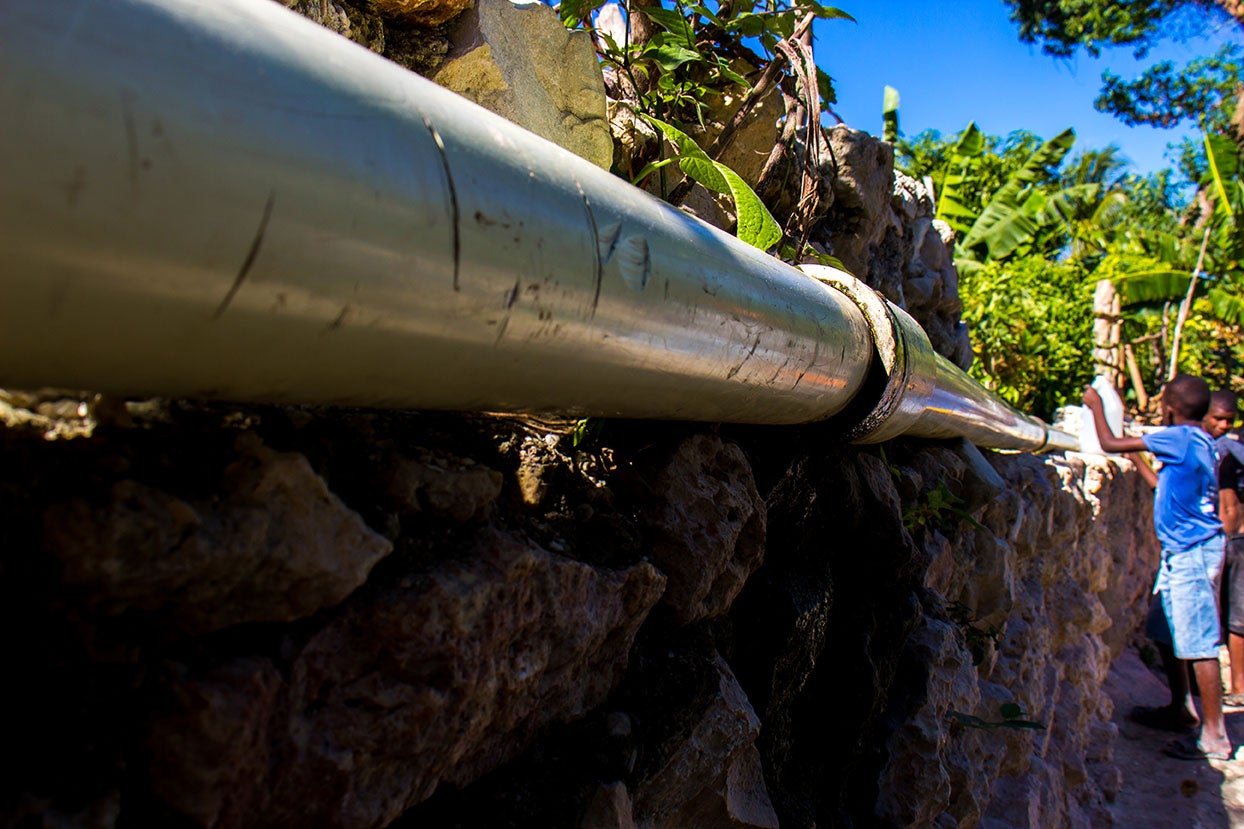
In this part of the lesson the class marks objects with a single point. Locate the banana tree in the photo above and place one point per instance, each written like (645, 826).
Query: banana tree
(1166, 277)
(1018, 211)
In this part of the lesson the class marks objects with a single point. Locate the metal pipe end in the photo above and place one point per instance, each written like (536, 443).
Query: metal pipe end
(1057, 440)
(900, 343)
(913, 390)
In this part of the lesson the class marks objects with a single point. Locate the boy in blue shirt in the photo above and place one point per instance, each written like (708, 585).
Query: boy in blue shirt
(1192, 545)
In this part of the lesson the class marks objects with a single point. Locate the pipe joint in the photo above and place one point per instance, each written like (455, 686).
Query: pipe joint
(921, 393)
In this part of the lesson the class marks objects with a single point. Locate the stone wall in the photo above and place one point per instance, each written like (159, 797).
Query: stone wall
(269, 617)
(224, 616)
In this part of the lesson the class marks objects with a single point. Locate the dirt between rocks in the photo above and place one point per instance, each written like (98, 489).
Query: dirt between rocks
(1160, 791)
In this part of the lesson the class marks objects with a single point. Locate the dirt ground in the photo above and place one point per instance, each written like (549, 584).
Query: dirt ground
(1159, 791)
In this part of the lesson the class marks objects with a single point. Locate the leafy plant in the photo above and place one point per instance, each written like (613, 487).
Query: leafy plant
(889, 115)
(1195, 269)
(1032, 330)
(1015, 212)
(691, 55)
(939, 505)
(671, 65)
(756, 224)
(952, 206)
(978, 638)
(586, 431)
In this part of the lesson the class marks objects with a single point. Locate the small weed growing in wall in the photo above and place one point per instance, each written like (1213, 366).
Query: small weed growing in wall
(938, 506)
(978, 637)
(586, 432)
(1012, 716)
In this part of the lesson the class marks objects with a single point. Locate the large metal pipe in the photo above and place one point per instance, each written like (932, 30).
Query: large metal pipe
(221, 199)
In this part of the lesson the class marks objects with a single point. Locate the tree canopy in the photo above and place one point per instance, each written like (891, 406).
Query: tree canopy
(1062, 26)
(1207, 91)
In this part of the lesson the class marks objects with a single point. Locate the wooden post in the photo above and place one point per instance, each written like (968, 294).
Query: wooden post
(1138, 384)
(1106, 325)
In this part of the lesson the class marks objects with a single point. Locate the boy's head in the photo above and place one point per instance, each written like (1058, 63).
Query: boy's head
(1224, 409)
(1186, 398)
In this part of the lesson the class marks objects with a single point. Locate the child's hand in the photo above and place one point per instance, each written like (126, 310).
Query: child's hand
(1091, 398)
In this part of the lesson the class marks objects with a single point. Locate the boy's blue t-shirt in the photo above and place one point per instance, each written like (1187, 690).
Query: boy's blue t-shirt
(1183, 508)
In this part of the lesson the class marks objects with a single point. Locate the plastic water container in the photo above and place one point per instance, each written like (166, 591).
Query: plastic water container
(1112, 407)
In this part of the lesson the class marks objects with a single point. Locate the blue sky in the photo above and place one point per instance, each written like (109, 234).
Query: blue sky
(957, 62)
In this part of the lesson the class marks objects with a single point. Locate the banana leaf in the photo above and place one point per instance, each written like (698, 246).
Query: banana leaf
(889, 115)
(1223, 162)
(1007, 220)
(950, 205)
(1152, 286)
(1227, 304)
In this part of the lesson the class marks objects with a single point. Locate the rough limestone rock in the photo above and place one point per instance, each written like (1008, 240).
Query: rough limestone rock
(439, 679)
(837, 654)
(518, 60)
(1126, 550)
(839, 578)
(754, 140)
(274, 545)
(421, 12)
(881, 227)
(930, 282)
(211, 745)
(609, 808)
(460, 490)
(928, 756)
(328, 13)
(707, 526)
(408, 32)
(714, 777)
(1052, 583)
(860, 214)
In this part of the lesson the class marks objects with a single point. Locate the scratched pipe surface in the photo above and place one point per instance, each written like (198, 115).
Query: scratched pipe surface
(223, 200)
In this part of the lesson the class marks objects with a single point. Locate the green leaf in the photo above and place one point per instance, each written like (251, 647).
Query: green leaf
(783, 23)
(1227, 305)
(651, 168)
(1220, 154)
(748, 25)
(612, 50)
(950, 198)
(1035, 726)
(670, 20)
(968, 720)
(971, 143)
(670, 56)
(889, 115)
(1150, 286)
(756, 225)
(729, 74)
(574, 12)
(570, 11)
(825, 87)
(825, 12)
(703, 11)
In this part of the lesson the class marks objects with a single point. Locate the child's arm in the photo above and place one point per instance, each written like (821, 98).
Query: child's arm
(1106, 438)
(1229, 511)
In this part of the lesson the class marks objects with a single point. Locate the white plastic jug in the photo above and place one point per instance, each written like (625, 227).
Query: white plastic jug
(1111, 406)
